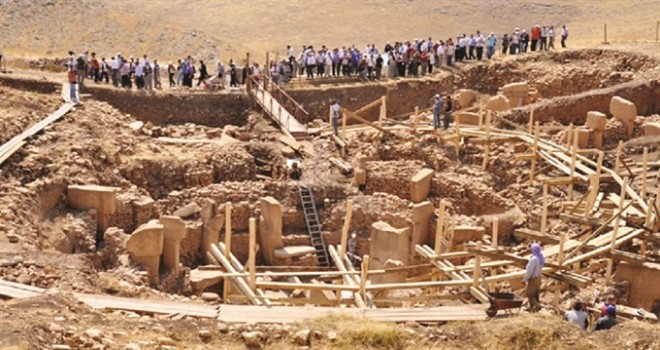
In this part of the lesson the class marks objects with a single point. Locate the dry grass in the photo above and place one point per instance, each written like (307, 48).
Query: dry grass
(356, 333)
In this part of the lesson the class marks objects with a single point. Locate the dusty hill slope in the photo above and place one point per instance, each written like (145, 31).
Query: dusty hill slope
(172, 28)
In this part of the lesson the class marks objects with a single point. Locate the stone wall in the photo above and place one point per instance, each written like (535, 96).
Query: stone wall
(573, 109)
(215, 110)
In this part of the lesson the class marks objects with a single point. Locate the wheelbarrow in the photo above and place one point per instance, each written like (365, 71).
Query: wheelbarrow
(503, 301)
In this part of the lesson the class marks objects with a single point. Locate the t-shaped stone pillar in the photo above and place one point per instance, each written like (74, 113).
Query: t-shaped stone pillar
(174, 230)
(101, 198)
(388, 243)
(420, 185)
(212, 234)
(145, 247)
(596, 121)
(270, 228)
(625, 111)
(421, 213)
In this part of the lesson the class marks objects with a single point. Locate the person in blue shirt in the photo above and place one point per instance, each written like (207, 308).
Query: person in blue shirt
(490, 45)
(437, 109)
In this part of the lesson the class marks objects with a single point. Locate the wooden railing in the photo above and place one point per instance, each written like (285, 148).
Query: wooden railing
(286, 100)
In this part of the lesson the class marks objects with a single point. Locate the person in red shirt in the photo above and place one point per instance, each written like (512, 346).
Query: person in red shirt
(535, 36)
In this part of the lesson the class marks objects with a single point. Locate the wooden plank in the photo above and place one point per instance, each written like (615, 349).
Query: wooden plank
(364, 121)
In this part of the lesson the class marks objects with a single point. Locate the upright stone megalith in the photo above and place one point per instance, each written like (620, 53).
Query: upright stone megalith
(174, 230)
(420, 185)
(101, 198)
(145, 247)
(388, 243)
(270, 228)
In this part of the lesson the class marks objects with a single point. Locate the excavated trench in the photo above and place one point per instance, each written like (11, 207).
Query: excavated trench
(175, 175)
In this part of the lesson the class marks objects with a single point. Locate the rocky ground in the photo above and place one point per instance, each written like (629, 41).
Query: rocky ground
(45, 243)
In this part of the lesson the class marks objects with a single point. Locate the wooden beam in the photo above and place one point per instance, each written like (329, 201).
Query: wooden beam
(617, 164)
(364, 121)
(227, 284)
(369, 106)
(364, 274)
(617, 223)
(240, 282)
(535, 148)
(645, 160)
(252, 253)
(484, 165)
(523, 233)
(439, 227)
(476, 274)
(345, 228)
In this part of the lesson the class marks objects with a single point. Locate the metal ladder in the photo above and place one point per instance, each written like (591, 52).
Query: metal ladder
(313, 223)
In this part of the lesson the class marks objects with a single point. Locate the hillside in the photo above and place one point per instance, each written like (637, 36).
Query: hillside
(174, 28)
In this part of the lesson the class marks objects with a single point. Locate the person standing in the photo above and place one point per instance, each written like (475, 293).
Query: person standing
(524, 41)
(233, 81)
(440, 51)
(379, 66)
(203, 73)
(535, 36)
(491, 41)
(578, 316)
(505, 43)
(437, 109)
(448, 110)
(157, 81)
(564, 36)
(148, 75)
(125, 73)
(72, 76)
(139, 74)
(450, 52)
(533, 277)
(95, 68)
(171, 70)
(104, 70)
(114, 66)
(551, 38)
(544, 39)
(336, 110)
(81, 68)
(480, 42)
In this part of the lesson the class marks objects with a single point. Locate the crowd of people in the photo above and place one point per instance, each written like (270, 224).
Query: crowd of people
(400, 59)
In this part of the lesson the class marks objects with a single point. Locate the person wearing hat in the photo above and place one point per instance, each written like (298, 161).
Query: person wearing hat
(437, 108)
(491, 41)
(608, 321)
(533, 277)
(577, 315)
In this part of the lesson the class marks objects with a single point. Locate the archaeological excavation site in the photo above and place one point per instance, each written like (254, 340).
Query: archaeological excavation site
(173, 220)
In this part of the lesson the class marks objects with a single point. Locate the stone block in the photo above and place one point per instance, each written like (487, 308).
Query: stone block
(464, 233)
(144, 208)
(466, 97)
(623, 109)
(598, 139)
(498, 103)
(388, 243)
(293, 251)
(644, 281)
(420, 185)
(519, 87)
(189, 209)
(421, 214)
(651, 129)
(596, 120)
(360, 176)
(145, 246)
(467, 118)
(583, 138)
(211, 233)
(270, 228)
(174, 231)
(101, 198)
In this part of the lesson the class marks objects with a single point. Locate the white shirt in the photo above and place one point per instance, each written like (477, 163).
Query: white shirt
(139, 70)
(564, 32)
(115, 63)
(310, 60)
(441, 50)
(533, 269)
(577, 317)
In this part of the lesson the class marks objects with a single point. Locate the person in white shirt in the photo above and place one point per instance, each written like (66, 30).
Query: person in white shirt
(533, 277)
(441, 53)
(480, 43)
(577, 316)
(114, 66)
(551, 38)
(310, 63)
(139, 74)
(564, 36)
(336, 110)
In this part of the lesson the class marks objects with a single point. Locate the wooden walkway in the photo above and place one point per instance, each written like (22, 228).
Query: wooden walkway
(257, 314)
(287, 122)
(18, 141)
